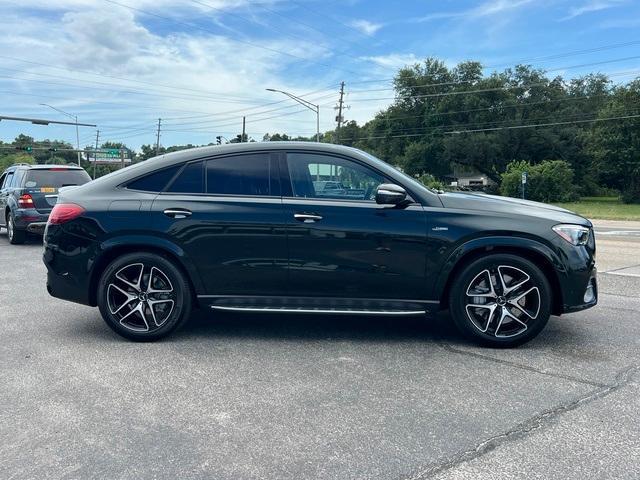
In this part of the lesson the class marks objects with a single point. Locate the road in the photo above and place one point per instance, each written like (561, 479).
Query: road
(245, 397)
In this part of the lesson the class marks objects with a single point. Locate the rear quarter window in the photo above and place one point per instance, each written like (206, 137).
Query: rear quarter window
(56, 178)
(155, 181)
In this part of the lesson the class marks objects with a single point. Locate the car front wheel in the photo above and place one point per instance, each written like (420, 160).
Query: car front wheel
(501, 300)
(144, 296)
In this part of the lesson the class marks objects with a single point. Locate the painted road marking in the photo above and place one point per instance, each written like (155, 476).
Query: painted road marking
(627, 233)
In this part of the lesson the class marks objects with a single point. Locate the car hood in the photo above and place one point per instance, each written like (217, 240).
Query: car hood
(515, 206)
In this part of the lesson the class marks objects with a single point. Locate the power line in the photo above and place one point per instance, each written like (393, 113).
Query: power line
(550, 124)
(128, 91)
(461, 82)
(522, 61)
(255, 45)
(292, 35)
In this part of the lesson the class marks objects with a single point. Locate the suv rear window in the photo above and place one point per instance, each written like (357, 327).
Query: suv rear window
(56, 178)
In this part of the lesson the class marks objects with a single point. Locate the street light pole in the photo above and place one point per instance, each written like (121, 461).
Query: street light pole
(75, 117)
(311, 106)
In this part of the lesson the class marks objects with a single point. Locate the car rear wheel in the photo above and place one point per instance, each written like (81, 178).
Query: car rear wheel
(16, 236)
(144, 296)
(501, 300)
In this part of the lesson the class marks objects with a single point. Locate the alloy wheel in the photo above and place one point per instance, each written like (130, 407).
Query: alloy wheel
(502, 301)
(10, 228)
(141, 297)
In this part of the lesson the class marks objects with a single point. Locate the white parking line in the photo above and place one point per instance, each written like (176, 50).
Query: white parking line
(631, 233)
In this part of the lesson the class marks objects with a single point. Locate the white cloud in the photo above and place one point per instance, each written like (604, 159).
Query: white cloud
(366, 27)
(593, 6)
(209, 73)
(393, 60)
(488, 8)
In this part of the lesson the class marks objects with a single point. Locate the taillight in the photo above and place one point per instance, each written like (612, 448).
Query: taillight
(63, 212)
(25, 201)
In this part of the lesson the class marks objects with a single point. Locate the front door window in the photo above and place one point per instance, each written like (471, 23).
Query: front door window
(327, 177)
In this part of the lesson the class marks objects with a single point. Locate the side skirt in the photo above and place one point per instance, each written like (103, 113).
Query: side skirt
(324, 305)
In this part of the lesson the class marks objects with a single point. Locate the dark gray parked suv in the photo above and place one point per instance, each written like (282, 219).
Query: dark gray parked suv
(29, 192)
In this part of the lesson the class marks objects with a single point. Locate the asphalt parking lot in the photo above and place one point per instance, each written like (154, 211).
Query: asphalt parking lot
(249, 397)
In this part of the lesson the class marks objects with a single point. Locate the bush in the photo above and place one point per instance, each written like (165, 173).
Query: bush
(547, 181)
(430, 181)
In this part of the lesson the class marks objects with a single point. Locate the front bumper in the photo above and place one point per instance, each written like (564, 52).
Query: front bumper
(589, 294)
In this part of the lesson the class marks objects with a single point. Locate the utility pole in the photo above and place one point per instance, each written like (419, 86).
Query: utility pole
(244, 121)
(122, 158)
(339, 108)
(95, 154)
(158, 137)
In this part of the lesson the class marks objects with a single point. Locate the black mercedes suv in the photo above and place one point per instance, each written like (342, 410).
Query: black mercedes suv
(250, 227)
(28, 192)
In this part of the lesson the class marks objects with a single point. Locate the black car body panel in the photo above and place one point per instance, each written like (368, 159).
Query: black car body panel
(253, 249)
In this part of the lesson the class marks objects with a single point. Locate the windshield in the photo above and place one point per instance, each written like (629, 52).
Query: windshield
(56, 178)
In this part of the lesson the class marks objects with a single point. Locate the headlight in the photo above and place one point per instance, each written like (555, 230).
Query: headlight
(574, 234)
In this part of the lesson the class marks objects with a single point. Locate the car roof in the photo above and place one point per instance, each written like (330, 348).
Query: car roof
(29, 166)
(50, 167)
(198, 152)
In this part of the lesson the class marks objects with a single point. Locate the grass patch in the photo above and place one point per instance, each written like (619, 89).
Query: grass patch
(606, 208)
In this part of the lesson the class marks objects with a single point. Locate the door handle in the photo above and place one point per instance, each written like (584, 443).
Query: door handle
(177, 212)
(307, 217)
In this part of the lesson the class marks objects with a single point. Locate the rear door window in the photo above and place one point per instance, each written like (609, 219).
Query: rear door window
(190, 179)
(56, 178)
(17, 178)
(248, 174)
(8, 183)
(155, 181)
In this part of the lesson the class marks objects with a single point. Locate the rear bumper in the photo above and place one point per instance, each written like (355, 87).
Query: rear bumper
(30, 220)
(37, 227)
(68, 265)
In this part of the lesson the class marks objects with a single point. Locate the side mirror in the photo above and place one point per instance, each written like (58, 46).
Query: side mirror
(390, 194)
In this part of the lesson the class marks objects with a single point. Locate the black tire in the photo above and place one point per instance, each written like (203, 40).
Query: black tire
(472, 300)
(15, 235)
(162, 302)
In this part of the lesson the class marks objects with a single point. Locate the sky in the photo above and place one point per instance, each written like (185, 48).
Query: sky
(201, 65)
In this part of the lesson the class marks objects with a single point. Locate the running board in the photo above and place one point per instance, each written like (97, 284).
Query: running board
(318, 310)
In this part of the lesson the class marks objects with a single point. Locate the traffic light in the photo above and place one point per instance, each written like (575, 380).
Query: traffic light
(28, 148)
(53, 149)
(219, 140)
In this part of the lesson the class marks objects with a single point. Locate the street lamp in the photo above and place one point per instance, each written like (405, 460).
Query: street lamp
(75, 117)
(309, 105)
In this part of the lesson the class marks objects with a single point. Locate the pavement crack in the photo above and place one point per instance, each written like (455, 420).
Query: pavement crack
(525, 428)
(521, 366)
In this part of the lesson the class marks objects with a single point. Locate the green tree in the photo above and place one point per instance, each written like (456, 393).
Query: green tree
(547, 181)
(615, 144)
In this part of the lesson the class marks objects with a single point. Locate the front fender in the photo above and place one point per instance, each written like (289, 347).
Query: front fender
(488, 244)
